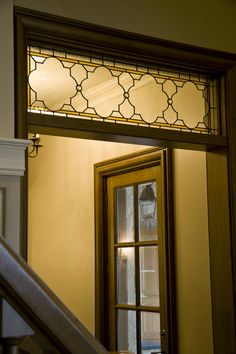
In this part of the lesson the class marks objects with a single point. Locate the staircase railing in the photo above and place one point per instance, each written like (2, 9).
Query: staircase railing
(49, 324)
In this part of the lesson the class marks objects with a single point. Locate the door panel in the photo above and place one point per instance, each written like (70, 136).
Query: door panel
(136, 284)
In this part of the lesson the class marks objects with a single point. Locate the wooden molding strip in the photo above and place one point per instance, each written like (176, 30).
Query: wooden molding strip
(12, 156)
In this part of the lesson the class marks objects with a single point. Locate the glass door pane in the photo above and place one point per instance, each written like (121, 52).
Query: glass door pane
(126, 331)
(149, 276)
(150, 332)
(125, 265)
(125, 214)
(147, 211)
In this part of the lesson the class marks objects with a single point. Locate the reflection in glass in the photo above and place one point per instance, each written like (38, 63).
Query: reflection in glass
(125, 264)
(149, 91)
(150, 332)
(53, 84)
(102, 91)
(126, 331)
(147, 211)
(125, 214)
(149, 276)
(194, 107)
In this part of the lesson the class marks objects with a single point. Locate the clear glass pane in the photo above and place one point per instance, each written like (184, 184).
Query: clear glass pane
(52, 82)
(126, 331)
(147, 211)
(125, 263)
(149, 276)
(150, 332)
(125, 214)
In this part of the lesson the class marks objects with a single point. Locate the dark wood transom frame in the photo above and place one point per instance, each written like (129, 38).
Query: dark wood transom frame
(34, 27)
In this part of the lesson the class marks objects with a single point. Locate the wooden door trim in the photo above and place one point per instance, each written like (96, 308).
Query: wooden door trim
(103, 170)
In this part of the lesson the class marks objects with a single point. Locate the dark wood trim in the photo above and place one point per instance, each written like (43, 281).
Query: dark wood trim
(21, 129)
(100, 260)
(223, 314)
(59, 31)
(20, 63)
(82, 128)
(231, 127)
(170, 249)
(24, 212)
(131, 162)
(41, 309)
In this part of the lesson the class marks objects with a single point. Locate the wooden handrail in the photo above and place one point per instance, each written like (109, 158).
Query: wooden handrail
(40, 307)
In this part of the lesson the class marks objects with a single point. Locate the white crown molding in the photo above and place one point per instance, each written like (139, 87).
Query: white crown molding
(12, 156)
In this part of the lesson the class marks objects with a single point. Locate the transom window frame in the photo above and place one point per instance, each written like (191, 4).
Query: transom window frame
(33, 27)
(126, 47)
(102, 88)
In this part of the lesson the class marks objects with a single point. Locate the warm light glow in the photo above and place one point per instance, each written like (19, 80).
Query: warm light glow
(125, 252)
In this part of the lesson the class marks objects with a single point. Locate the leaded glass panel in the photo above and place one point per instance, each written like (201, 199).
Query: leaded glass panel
(104, 89)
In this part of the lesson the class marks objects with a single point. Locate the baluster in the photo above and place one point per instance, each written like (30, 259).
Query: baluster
(11, 346)
(13, 328)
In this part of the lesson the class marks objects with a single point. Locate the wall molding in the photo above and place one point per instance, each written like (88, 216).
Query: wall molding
(12, 156)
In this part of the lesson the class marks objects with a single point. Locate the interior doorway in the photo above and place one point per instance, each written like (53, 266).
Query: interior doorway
(138, 269)
(66, 260)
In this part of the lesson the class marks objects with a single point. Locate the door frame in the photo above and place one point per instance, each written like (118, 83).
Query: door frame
(49, 30)
(103, 170)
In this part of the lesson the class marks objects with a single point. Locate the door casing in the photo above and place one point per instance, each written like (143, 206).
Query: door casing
(102, 171)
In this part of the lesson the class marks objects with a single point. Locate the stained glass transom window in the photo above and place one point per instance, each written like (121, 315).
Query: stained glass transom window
(105, 89)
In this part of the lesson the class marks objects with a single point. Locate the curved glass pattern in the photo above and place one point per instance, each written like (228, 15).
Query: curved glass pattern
(104, 89)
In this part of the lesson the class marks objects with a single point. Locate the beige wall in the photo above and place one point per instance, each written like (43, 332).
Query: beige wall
(6, 69)
(192, 253)
(61, 231)
(208, 23)
(61, 218)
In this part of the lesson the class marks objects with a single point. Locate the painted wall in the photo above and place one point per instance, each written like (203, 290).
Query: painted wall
(61, 231)
(6, 70)
(208, 23)
(61, 214)
(192, 253)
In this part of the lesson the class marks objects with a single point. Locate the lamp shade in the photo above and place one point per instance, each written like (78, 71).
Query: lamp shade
(147, 202)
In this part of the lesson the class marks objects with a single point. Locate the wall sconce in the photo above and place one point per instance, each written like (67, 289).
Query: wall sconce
(147, 202)
(34, 146)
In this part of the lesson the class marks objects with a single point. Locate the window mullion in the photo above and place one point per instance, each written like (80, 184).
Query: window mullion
(137, 269)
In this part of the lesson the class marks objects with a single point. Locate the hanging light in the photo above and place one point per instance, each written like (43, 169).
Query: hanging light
(147, 202)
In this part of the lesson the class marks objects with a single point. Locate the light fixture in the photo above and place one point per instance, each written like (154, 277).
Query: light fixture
(147, 202)
(34, 146)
